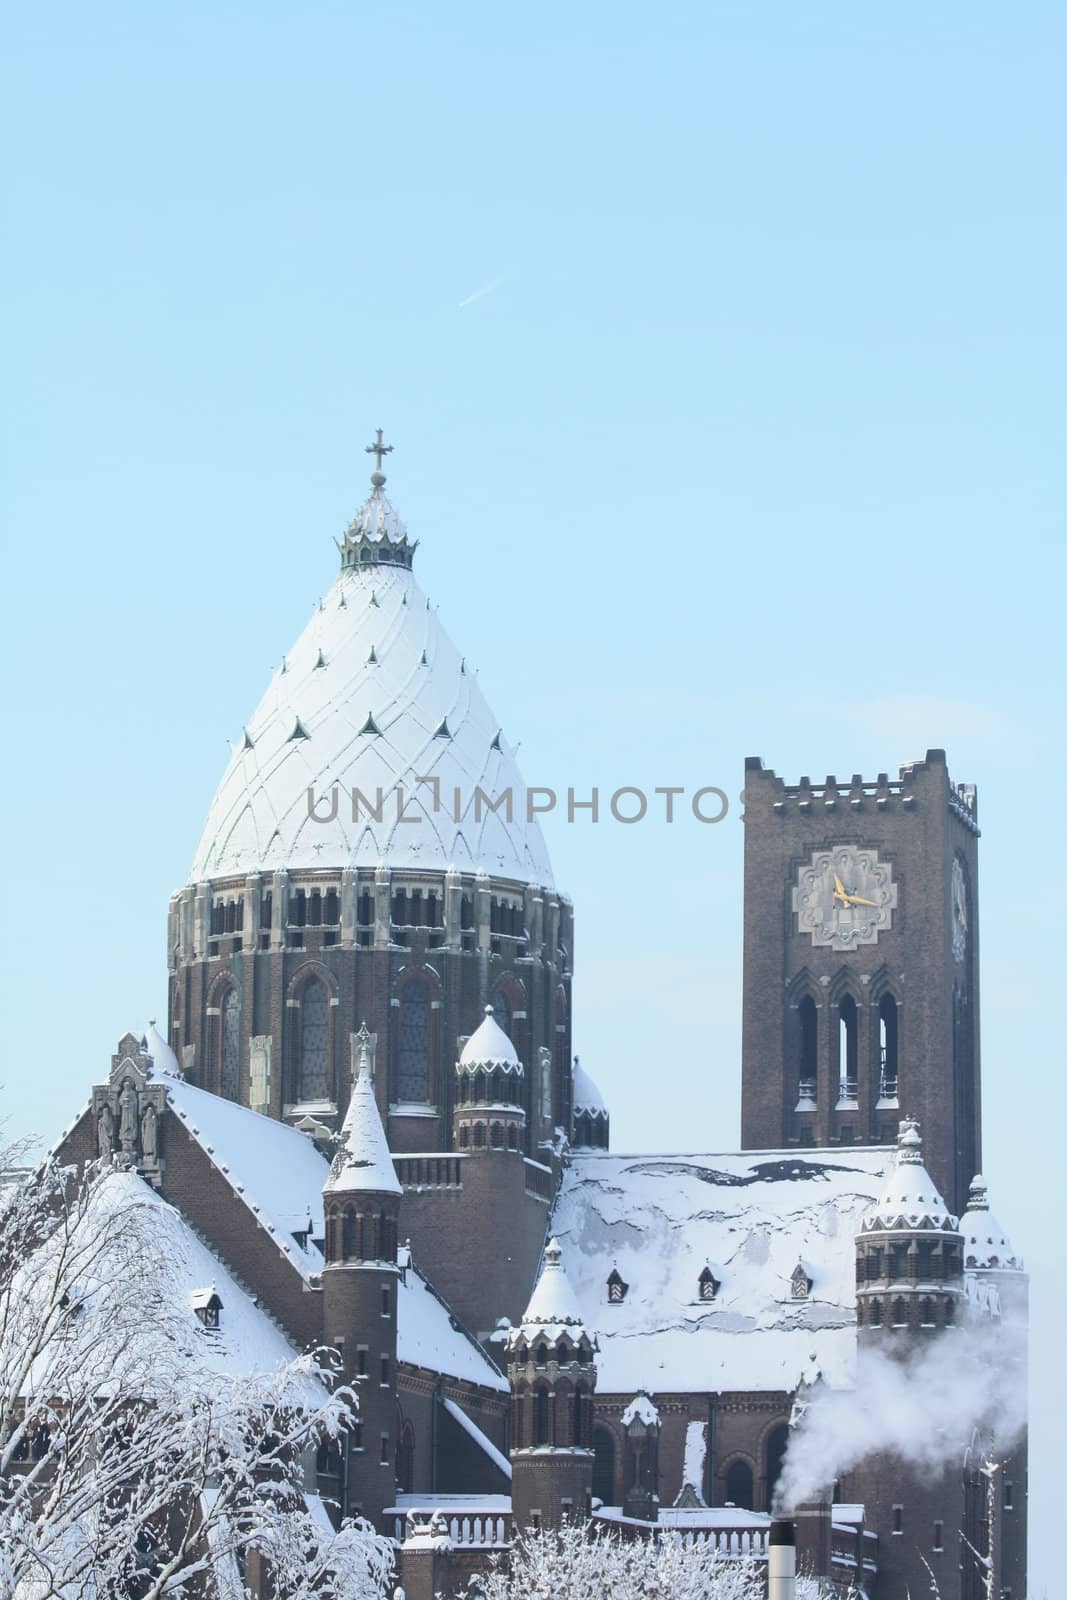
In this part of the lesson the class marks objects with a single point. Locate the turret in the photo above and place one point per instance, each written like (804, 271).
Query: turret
(490, 1080)
(591, 1124)
(989, 1258)
(909, 1255)
(361, 1200)
(552, 1372)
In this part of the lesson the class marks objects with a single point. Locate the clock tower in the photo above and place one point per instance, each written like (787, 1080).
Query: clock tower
(861, 964)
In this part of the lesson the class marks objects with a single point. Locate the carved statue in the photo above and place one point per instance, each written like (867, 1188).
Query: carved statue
(105, 1132)
(128, 1117)
(149, 1133)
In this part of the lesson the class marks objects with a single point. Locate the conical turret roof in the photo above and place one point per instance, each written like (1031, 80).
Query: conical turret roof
(985, 1243)
(362, 1163)
(587, 1097)
(553, 1309)
(909, 1199)
(372, 696)
(489, 1046)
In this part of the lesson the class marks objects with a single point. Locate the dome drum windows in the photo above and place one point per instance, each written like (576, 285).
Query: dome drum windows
(227, 919)
(316, 907)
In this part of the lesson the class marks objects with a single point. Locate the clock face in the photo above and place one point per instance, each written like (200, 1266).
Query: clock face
(844, 897)
(959, 910)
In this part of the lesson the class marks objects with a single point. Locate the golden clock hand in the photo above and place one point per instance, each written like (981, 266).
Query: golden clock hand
(858, 900)
(839, 891)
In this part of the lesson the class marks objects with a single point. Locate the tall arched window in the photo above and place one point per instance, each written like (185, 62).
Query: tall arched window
(807, 1031)
(413, 1051)
(604, 1465)
(887, 1047)
(405, 1459)
(230, 1063)
(740, 1490)
(540, 1417)
(777, 1441)
(312, 1075)
(847, 1049)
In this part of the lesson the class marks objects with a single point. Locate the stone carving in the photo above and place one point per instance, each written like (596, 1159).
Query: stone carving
(128, 1111)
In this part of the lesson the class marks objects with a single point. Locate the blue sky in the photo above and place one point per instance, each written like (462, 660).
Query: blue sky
(722, 348)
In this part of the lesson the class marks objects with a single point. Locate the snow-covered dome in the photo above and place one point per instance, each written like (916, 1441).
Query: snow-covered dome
(587, 1097)
(909, 1197)
(553, 1306)
(489, 1047)
(985, 1244)
(372, 696)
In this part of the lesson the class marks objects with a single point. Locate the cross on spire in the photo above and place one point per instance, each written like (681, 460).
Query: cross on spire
(378, 450)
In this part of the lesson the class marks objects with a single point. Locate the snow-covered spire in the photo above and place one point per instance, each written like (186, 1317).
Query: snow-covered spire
(489, 1047)
(163, 1058)
(376, 534)
(909, 1197)
(591, 1123)
(553, 1307)
(985, 1243)
(362, 1162)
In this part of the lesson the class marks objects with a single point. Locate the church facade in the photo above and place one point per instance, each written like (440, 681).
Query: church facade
(366, 1103)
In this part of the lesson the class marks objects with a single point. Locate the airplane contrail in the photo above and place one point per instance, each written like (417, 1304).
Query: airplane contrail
(480, 294)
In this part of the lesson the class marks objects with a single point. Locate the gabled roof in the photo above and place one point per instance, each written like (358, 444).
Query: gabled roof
(754, 1214)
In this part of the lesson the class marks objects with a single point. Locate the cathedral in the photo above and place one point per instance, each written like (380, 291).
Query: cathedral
(366, 1107)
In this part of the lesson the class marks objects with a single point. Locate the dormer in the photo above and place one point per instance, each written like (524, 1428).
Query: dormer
(207, 1306)
(708, 1284)
(617, 1287)
(801, 1282)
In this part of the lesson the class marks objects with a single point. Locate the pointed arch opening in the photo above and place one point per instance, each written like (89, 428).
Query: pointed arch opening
(413, 1046)
(887, 1047)
(312, 1042)
(848, 1048)
(230, 1052)
(807, 1050)
(604, 1465)
(739, 1486)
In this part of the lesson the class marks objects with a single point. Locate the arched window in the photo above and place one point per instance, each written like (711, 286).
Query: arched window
(312, 1073)
(464, 1136)
(926, 1311)
(740, 1490)
(405, 1459)
(502, 1011)
(887, 1047)
(540, 1417)
(847, 1049)
(604, 1465)
(348, 1235)
(875, 1315)
(413, 1053)
(808, 1036)
(900, 1312)
(230, 1065)
(583, 1417)
(774, 1455)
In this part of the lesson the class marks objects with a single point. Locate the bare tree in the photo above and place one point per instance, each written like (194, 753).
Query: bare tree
(133, 1458)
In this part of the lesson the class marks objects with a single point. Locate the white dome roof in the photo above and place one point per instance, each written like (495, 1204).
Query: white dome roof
(372, 695)
(587, 1097)
(985, 1244)
(553, 1306)
(489, 1046)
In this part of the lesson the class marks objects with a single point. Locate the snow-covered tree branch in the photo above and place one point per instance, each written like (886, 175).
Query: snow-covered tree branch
(132, 1457)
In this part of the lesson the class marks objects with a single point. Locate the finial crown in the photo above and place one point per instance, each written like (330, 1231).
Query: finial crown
(376, 536)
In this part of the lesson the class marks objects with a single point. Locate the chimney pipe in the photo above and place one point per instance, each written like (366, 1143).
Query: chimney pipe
(782, 1560)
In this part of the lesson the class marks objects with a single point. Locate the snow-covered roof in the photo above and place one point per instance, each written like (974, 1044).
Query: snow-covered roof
(428, 1335)
(372, 695)
(553, 1309)
(280, 1175)
(985, 1243)
(641, 1410)
(163, 1058)
(247, 1340)
(909, 1197)
(362, 1162)
(587, 1096)
(274, 1169)
(489, 1046)
(755, 1213)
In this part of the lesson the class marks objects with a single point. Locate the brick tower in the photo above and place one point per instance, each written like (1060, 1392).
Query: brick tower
(861, 964)
(552, 1372)
(361, 1201)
